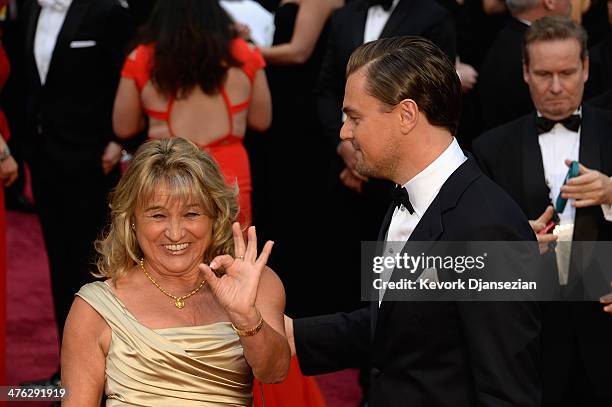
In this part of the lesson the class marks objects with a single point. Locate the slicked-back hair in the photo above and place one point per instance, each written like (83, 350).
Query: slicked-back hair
(520, 6)
(192, 46)
(555, 28)
(414, 68)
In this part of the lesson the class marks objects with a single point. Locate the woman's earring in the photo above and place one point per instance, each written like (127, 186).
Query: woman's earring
(133, 226)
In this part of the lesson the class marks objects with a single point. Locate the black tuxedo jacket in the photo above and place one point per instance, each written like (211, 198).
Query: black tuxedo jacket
(511, 156)
(438, 354)
(410, 17)
(600, 68)
(504, 95)
(70, 116)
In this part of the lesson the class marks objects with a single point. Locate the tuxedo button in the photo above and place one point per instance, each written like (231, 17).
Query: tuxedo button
(375, 372)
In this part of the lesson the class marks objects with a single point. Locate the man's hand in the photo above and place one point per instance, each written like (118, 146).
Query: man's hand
(606, 299)
(111, 156)
(467, 75)
(243, 31)
(349, 175)
(289, 334)
(539, 224)
(8, 170)
(346, 151)
(352, 180)
(589, 188)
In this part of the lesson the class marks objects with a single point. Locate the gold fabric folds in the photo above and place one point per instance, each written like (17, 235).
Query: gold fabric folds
(183, 366)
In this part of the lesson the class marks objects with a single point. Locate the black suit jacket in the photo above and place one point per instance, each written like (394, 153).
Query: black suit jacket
(411, 17)
(600, 68)
(504, 96)
(511, 156)
(70, 116)
(439, 353)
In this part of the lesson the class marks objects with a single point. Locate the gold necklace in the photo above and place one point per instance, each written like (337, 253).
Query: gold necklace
(179, 302)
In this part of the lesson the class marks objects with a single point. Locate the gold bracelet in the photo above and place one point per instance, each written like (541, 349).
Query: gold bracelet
(249, 332)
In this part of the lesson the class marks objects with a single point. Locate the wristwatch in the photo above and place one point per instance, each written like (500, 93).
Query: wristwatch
(5, 153)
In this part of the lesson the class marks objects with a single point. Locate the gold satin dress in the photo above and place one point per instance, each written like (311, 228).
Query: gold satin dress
(170, 367)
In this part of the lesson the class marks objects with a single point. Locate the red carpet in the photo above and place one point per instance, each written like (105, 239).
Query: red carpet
(31, 338)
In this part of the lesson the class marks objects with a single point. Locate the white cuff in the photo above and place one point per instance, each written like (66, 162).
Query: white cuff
(607, 211)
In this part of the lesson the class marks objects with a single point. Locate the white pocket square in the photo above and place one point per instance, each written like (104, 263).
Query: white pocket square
(82, 44)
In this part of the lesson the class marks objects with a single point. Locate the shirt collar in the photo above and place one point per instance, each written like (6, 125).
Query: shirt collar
(57, 5)
(526, 22)
(424, 187)
(380, 8)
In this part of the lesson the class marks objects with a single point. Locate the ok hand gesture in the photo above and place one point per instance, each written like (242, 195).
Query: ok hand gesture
(236, 289)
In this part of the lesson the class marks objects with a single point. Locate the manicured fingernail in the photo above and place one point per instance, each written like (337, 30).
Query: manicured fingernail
(213, 265)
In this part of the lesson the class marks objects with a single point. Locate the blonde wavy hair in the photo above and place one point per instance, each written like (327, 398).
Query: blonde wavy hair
(187, 172)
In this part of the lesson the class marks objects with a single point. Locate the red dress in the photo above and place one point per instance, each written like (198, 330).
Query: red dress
(228, 150)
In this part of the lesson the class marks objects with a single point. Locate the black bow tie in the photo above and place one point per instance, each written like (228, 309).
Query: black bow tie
(400, 197)
(386, 4)
(544, 125)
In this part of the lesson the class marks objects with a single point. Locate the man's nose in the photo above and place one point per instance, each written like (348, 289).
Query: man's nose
(345, 133)
(555, 86)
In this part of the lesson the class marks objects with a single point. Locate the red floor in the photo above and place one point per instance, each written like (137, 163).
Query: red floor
(31, 338)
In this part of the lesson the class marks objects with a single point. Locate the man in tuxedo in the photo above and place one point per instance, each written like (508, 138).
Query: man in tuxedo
(402, 103)
(529, 158)
(74, 50)
(503, 94)
(351, 195)
(359, 22)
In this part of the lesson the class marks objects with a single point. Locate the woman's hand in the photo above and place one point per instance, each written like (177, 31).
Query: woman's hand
(236, 290)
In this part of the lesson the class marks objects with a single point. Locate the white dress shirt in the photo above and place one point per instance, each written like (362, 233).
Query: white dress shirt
(375, 21)
(422, 189)
(556, 146)
(50, 21)
(250, 13)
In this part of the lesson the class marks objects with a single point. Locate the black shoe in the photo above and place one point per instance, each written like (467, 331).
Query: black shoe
(19, 203)
(54, 380)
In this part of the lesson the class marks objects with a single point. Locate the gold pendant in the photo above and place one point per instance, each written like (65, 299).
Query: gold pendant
(179, 303)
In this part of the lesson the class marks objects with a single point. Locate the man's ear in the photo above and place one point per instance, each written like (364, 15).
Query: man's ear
(585, 68)
(549, 4)
(409, 115)
(525, 73)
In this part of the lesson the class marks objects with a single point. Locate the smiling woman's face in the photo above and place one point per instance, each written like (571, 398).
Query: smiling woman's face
(173, 233)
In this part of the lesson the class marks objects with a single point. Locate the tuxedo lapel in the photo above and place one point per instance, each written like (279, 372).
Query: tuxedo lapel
(396, 19)
(430, 227)
(30, 34)
(357, 24)
(73, 20)
(428, 230)
(586, 224)
(535, 190)
(382, 236)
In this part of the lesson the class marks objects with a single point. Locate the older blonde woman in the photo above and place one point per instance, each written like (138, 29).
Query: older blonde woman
(188, 313)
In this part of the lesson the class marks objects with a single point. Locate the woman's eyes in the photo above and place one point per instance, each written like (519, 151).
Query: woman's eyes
(188, 215)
